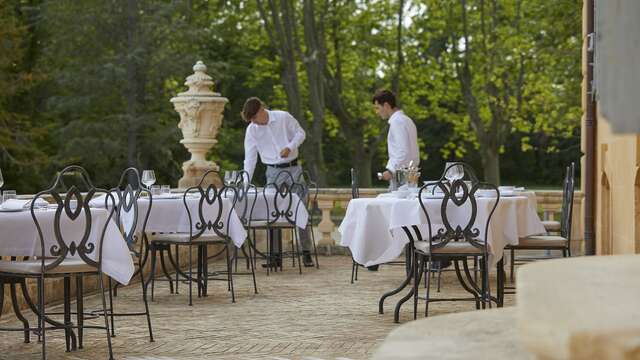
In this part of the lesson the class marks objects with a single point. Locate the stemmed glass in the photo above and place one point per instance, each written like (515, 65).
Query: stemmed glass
(228, 178)
(148, 178)
(453, 172)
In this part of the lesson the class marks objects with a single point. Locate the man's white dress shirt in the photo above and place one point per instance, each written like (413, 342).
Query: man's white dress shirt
(402, 142)
(281, 131)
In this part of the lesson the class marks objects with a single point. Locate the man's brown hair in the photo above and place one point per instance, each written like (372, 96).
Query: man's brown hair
(250, 108)
(384, 96)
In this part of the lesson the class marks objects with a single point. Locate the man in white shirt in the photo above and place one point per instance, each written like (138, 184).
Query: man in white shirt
(402, 140)
(275, 136)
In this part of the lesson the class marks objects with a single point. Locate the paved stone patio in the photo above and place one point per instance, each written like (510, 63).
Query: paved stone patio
(317, 315)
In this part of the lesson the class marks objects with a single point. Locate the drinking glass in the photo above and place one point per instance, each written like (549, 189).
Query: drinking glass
(148, 177)
(155, 190)
(227, 177)
(453, 172)
(8, 195)
(234, 177)
(165, 189)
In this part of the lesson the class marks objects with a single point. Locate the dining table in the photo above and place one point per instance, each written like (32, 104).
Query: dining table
(372, 227)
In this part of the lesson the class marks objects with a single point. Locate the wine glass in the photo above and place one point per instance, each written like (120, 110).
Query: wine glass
(234, 177)
(227, 177)
(454, 171)
(148, 177)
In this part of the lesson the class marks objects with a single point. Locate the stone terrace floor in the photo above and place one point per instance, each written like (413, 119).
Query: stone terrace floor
(318, 315)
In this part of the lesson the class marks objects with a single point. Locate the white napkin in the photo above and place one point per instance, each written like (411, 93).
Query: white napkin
(15, 204)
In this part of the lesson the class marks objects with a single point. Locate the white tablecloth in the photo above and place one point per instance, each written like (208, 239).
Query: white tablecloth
(19, 237)
(301, 216)
(170, 215)
(370, 226)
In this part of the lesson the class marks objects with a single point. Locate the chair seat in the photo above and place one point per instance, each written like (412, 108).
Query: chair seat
(551, 225)
(35, 267)
(453, 247)
(277, 224)
(184, 238)
(542, 241)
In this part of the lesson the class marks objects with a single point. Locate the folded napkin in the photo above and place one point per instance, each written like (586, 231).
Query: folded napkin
(15, 204)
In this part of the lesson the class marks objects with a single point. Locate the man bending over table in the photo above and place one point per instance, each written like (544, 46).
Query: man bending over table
(276, 136)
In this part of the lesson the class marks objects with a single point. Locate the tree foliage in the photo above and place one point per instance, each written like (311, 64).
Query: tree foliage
(494, 83)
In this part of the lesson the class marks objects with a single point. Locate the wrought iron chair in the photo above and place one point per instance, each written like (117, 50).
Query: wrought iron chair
(67, 256)
(552, 242)
(311, 203)
(355, 194)
(282, 210)
(204, 230)
(126, 194)
(456, 242)
(246, 196)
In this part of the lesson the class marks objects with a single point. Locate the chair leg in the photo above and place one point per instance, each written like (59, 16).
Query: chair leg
(428, 286)
(353, 269)
(512, 264)
(146, 304)
(230, 272)
(297, 246)
(439, 274)
(104, 313)
(416, 282)
(80, 309)
(251, 263)
(177, 266)
(113, 331)
(164, 268)
(41, 309)
(152, 275)
(313, 241)
(66, 301)
(293, 248)
(190, 276)
(16, 310)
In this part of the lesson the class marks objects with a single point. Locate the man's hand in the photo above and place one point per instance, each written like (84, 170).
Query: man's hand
(387, 175)
(285, 152)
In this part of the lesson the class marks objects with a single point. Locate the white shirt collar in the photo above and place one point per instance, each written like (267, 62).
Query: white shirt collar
(397, 112)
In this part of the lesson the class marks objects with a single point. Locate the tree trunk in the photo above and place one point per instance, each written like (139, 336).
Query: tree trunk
(280, 24)
(313, 61)
(491, 164)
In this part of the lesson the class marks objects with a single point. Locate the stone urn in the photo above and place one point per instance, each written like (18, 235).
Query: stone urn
(200, 112)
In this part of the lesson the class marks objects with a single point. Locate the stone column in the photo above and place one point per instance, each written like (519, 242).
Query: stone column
(200, 112)
(326, 226)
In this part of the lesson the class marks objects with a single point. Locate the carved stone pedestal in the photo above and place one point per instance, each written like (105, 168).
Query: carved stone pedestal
(200, 112)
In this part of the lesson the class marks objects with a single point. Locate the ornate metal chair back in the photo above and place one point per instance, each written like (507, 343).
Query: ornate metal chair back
(458, 193)
(247, 195)
(278, 196)
(72, 207)
(210, 198)
(126, 195)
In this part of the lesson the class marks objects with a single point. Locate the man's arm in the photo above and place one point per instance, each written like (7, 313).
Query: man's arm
(250, 154)
(293, 127)
(397, 146)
